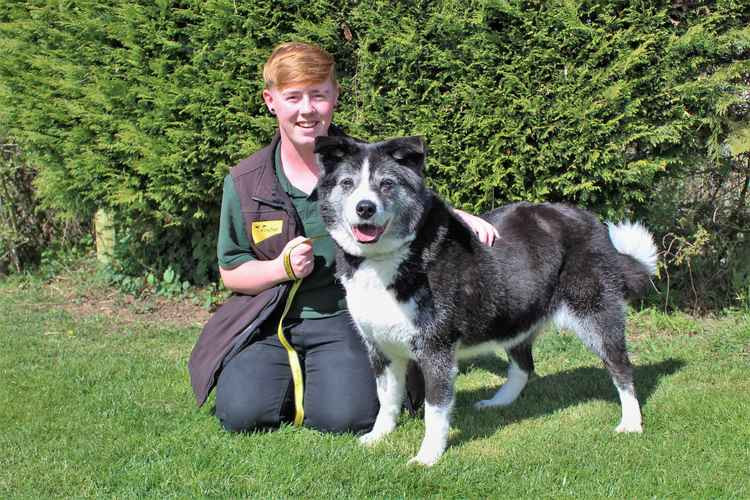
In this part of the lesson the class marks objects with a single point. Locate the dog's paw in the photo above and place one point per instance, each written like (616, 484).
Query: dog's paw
(371, 438)
(483, 404)
(489, 403)
(505, 396)
(423, 461)
(629, 427)
(429, 453)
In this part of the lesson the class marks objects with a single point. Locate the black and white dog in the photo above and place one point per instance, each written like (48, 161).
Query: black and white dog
(421, 286)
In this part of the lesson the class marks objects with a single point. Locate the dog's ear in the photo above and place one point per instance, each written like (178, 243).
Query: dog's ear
(407, 151)
(331, 150)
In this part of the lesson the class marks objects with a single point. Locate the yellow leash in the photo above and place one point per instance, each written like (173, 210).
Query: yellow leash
(294, 364)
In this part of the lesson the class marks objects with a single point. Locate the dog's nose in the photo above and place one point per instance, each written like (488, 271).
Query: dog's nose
(366, 209)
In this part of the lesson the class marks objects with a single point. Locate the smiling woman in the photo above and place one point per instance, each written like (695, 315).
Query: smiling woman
(284, 348)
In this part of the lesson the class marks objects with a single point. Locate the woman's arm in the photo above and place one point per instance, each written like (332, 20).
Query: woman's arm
(254, 276)
(485, 231)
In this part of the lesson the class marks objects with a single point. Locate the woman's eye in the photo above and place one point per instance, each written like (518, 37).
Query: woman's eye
(346, 182)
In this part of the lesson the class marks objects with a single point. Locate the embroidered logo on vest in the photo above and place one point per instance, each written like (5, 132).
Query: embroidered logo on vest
(262, 230)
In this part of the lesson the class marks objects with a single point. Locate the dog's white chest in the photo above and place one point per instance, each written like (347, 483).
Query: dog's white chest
(381, 318)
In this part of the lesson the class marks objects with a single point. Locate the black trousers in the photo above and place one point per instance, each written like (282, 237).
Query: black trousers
(255, 389)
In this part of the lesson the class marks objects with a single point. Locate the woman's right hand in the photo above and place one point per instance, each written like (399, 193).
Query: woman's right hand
(301, 256)
(255, 276)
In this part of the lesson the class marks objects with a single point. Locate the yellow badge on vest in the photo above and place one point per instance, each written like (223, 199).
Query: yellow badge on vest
(262, 230)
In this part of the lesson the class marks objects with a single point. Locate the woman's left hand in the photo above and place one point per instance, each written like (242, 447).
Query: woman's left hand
(485, 231)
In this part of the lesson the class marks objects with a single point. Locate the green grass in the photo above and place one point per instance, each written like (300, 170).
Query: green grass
(93, 407)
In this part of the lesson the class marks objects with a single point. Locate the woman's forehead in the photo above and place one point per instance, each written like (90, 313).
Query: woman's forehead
(325, 86)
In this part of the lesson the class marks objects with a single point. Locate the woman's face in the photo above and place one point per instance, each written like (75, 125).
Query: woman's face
(304, 111)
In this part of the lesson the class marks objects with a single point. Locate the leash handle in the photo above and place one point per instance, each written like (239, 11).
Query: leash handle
(288, 256)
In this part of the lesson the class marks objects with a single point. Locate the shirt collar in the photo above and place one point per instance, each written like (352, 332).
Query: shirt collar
(287, 186)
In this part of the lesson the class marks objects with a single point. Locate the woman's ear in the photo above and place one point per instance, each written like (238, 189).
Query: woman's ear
(337, 91)
(268, 98)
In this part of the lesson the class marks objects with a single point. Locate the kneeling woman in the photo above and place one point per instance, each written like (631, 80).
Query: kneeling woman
(284, 348)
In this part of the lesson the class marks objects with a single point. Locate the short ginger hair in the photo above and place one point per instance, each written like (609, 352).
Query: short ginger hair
(297, 62)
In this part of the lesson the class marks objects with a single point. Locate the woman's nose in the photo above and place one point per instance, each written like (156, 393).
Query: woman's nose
(306, 106)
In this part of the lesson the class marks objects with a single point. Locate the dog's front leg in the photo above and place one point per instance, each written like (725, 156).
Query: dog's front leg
(439, 374)
(390, 377)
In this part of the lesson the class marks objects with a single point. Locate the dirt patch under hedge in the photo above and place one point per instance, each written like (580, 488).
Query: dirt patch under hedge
(82, 298)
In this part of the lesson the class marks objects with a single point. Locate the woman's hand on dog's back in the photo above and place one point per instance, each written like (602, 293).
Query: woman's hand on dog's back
(485, 231)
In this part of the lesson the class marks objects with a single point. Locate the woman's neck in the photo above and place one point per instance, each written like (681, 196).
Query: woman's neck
(300, 166)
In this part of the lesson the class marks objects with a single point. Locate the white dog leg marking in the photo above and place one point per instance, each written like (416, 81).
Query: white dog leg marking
(390, 386)
(437, 424)
(631, 412)
(509, 391)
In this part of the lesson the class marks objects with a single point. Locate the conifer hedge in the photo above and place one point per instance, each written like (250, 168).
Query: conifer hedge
(142, 106)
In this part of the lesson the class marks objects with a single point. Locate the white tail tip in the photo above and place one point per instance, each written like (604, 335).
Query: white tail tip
(631, 238)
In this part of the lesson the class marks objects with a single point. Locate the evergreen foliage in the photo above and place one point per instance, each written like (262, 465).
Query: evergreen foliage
(19, 224)
(141, 107)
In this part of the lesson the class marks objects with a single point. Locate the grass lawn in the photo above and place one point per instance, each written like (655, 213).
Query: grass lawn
(99, 404)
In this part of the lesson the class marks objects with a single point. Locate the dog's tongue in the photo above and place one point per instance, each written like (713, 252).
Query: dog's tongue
(367, 233)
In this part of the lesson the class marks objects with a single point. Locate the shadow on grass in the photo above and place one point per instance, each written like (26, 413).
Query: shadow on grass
(548, 394)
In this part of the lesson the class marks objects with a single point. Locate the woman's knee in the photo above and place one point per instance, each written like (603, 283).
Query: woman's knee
(239, 416)
(246, 407)
(342, 398)
(354, 416)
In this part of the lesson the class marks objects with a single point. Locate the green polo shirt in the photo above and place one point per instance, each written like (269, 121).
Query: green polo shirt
(319, 295)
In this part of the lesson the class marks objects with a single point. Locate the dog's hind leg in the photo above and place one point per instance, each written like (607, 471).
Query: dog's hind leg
(604, 334)
(521, 366)
(390, 378)
(439, 372)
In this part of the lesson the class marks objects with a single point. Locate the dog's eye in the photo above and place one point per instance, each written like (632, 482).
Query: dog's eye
(346, 182)
(386, 184)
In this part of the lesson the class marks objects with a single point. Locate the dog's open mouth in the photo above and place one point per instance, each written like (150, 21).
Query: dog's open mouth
(367, 233)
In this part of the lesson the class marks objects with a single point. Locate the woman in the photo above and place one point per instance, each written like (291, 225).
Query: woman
(313, 370)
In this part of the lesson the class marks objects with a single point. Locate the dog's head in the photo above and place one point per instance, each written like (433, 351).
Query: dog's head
(372, 196)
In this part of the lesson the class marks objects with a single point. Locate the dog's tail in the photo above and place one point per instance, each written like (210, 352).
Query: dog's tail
(638, 255)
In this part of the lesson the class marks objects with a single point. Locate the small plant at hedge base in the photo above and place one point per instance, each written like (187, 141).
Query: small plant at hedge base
(214, 295)
(171, 285)
(679, 252)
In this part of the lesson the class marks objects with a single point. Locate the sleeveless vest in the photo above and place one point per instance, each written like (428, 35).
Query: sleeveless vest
(233, 325)
(271, 222)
